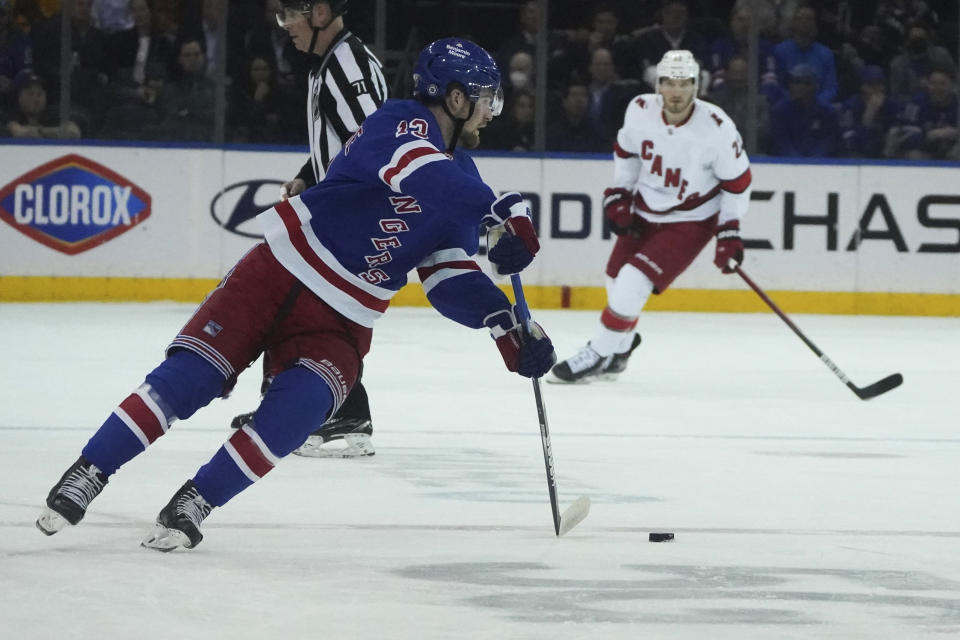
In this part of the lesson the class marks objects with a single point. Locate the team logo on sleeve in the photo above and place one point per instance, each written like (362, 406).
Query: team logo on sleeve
(73, 204)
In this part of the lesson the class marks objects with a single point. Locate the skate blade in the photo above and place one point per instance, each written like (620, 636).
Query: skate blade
(574, 514)
(552, 379)
(608, 377)
(357, 445)
(165, 539)
(50, 521)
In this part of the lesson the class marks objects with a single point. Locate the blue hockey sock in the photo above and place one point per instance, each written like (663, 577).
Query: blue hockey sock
(295, 405)
(179, 386)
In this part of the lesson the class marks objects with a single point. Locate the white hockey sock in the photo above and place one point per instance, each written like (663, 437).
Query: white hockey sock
(626, 296)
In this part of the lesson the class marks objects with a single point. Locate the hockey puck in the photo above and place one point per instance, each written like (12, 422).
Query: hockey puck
(661, 537)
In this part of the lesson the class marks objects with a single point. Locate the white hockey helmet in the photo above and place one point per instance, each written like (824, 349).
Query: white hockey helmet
(679, 64)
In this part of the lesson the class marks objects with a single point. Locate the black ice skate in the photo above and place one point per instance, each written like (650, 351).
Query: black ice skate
(68, 500)
(585, 366)
(350, 438)
(178, 524)
(242, 420)
(618, 363)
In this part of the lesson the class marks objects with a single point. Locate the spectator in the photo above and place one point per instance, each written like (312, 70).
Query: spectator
(141, 48)
(731, 96)
(514, 131)
(803, 49)
(737, 44)
(210, 25)
(673, 32)
(520, 73)
(88, 42)
(112, 16)
(919, 57)
(866, 117)
(16, 54)
(929, 129)
(841, 21)
(132, 112)
(32, 118)
(572, 131)
(802, 125)
(526, 37)
(608, 96)
(896, 17)
(259, 111)
(572, 57)
(872, 49)
(187, 105)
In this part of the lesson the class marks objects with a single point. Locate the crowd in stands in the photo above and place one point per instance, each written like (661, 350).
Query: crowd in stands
(837, 78)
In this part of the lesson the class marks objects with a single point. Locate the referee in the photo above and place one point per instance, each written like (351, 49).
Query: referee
(345, 86)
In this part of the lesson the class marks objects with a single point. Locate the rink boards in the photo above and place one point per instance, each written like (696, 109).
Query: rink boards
(94, 222)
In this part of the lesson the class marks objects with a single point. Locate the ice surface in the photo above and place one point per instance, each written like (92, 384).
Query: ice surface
(800, 511)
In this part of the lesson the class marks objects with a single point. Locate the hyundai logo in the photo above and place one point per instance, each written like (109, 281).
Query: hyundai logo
(236, 206)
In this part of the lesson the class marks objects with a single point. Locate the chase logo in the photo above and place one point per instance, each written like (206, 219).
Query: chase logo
(72, 204)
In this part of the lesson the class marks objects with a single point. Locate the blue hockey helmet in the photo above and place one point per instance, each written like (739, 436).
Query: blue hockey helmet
(457, 63)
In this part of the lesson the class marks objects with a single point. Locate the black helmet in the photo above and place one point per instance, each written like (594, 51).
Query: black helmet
(337, 7)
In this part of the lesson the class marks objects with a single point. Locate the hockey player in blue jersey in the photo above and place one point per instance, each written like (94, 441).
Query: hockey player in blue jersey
(398, 197)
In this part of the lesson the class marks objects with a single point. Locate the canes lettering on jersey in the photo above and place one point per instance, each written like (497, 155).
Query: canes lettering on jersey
(686, 172)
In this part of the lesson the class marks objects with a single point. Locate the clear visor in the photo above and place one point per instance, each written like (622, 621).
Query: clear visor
(493, 99)
(290, 15)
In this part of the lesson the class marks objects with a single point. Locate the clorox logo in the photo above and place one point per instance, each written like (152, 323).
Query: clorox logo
(72, 204)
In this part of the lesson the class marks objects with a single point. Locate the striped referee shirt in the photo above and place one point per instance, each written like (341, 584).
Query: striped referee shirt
(345, 86)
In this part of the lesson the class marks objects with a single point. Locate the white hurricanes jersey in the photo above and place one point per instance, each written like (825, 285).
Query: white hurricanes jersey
(688, 171)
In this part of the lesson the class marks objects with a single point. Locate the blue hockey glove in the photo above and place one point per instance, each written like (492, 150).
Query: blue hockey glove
(507, 252)
(527, 352)
(512, 241)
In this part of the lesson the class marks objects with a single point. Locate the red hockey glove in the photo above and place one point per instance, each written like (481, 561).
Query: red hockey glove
(729, 246)
(527, 352)
(616, 206)
(513, 251)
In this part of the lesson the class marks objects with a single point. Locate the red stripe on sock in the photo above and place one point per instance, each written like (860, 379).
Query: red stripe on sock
(250, 453)
(612, 321)
(144, 418)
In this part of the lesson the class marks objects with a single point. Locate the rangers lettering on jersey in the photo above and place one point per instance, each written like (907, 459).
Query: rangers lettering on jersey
(394, 203)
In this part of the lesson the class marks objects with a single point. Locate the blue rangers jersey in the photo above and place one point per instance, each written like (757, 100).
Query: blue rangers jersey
(392, 201)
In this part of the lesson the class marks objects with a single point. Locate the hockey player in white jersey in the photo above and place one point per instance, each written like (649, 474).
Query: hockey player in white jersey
(681, 177)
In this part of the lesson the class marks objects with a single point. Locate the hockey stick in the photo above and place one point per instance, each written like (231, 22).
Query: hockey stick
(577, 511)
(864, 393)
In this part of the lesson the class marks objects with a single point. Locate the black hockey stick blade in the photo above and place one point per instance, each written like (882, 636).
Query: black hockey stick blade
(574, 514)
(881, 386)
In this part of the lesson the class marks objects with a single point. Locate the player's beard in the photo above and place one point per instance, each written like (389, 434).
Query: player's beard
(470, 139)
(677, 108)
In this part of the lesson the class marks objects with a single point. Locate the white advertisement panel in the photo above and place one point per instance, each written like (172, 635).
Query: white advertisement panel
(100, 211)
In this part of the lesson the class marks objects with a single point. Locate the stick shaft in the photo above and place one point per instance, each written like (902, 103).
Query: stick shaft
(770, 303)
(523, 315)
